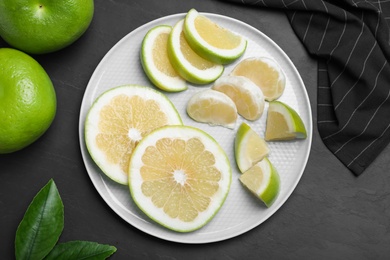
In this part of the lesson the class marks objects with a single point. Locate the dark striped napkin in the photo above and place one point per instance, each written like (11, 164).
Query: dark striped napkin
(350, 39)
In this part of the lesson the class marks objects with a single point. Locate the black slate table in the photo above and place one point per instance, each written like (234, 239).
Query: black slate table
(330, 215)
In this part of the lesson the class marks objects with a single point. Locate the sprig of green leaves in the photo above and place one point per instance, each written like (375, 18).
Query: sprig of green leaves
(38, 232)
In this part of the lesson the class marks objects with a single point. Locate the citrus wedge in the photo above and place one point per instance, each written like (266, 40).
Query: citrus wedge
(117, 121)
(212, 41)
(265, 73)
(283, 123)
(212, 107)
(179, 176)
(249, 147)
(263, 181)
(155, 61)
(187, 62)
(249, 98)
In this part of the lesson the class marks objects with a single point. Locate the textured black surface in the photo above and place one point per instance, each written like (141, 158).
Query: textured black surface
(331, 215)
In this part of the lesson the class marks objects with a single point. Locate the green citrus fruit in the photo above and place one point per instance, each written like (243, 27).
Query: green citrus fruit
(263, 181)
(27, 100)
(44, 26)
(283, 123)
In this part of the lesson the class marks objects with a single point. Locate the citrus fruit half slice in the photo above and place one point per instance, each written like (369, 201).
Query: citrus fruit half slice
(212, 107)
(249, 147)
(179, 176)
(265, 73)
(249, 98)
(187, 62)
(283, 123)
(155, 61)
(118, 120)
(212, 41)
(263, 181)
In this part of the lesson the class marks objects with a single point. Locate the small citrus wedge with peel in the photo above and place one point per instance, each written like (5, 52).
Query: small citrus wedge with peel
(187, 62)
(249, 147)
(212, 41)
(249, 98)
(263, 181)
(265, 73)
(212, 107)
(179, 176)
(155, 61)
(283, 123)
(118, 120)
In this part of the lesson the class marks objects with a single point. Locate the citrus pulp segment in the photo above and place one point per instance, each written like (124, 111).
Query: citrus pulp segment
(283, 123)
(211, 41)
(263, 181)
(179, 176)
(265, 73)
(155, 61)
(249, 98)
(118, 120)
(187, 62)
(212, 107)
(249, 147)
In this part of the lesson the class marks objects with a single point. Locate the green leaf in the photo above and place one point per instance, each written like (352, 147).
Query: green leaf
(41, 226)
(78, 250)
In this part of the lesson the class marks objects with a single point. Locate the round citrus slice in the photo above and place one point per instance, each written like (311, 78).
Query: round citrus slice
(283, 123)
(249, 98)
(265, 73)
(263, 181)
(155, 61)
(187, 62)
(212, 107)
(179, 176)
(118, 120)
(212, 41)
(249, 147)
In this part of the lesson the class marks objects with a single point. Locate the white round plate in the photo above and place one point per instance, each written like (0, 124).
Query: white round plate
(241, 211)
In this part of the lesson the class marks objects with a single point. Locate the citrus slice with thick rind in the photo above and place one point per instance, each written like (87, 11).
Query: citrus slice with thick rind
(212, 41)
(212, 107)
(249, 147)
(283, 123)
(263, 181)
(265, 73)
(249, 98)
(155, 61)
(187, 62)
(118, 120)
(179, 176)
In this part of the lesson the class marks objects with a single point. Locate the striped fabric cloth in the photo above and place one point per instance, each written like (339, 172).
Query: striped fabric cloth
(350, 39)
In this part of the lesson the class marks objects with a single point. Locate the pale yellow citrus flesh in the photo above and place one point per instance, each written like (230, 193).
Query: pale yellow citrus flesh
(180, 177)
(269, 79)
(277, 128)
(192, 57)
(160, 55)
(249, 148)
(212, 107)
(118, 117)
(215, 35)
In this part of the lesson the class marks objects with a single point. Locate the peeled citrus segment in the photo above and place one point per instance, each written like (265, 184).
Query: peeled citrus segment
(187, 62)
(179, 176)
(212, 107)
(283, 123)
(265, 73)
(263, 181)
(249, 147)
(249, 98)
(118, 120)
(155, 61)
(211, 41)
